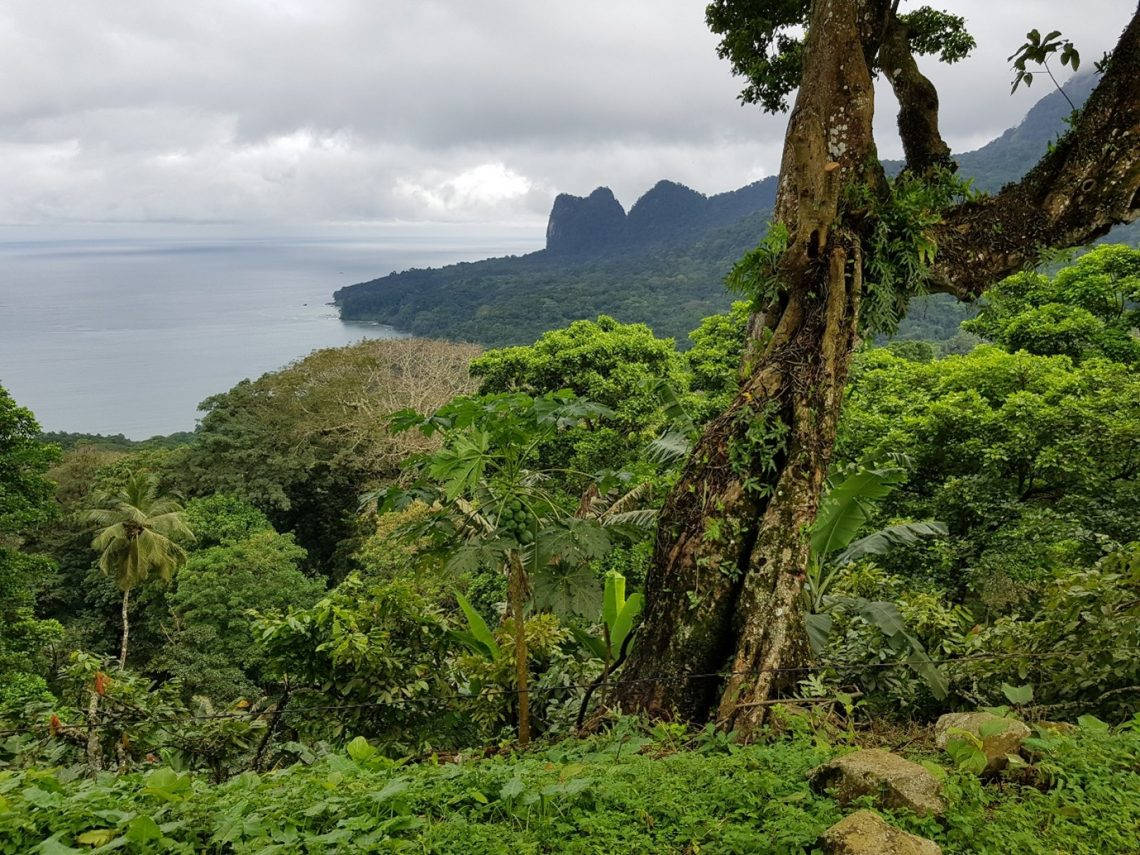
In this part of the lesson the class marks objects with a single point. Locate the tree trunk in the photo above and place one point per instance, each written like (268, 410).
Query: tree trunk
(94, 751)
(126, 630)
(722, 632)
(721, 617)
(517, 592)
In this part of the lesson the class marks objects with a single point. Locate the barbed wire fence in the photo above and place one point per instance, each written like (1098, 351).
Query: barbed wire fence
(278, 711)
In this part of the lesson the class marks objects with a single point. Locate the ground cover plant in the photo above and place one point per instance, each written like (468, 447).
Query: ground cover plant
(634, 789)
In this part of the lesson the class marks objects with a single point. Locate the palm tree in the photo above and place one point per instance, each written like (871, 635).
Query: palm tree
(135, 537)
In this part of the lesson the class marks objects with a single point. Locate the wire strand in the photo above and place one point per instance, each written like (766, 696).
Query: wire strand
(145, 717)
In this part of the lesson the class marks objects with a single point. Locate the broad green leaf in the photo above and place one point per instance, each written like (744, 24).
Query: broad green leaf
(143, 829)
(1018, 695)
(566, 590)
(965, 750)
(843, 512)
(1091, 722)
(883, 615)
(614, 598)
(96, 836)
(883, 540)
(391, 789)
(478, 626)
(594, 646)
(935, 679)
(512, 788)
(52, 846)
(624, 622)
(360, 749)
(818, 628)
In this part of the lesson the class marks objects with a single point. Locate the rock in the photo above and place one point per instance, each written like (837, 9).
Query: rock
(866, 833)
(1002, 735)
(1063, 727)
(894, 781)
(579, 225)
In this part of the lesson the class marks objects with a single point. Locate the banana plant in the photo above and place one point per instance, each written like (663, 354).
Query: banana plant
(478, 636)
(618, 616)
(843, 512)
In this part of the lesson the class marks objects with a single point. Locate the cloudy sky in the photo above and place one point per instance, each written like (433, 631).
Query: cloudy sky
(263, 113)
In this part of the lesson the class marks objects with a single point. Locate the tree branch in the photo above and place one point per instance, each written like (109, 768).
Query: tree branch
(918, 101)
(1088, 183)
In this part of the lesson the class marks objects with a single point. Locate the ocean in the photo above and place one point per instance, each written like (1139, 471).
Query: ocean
(122, 335)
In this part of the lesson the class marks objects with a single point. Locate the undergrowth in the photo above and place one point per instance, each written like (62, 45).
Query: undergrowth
(630, 790)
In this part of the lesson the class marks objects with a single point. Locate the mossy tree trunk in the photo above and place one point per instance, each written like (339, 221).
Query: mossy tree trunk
(722, 630)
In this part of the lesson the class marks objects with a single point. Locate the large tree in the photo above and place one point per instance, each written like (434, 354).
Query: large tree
(846, 250)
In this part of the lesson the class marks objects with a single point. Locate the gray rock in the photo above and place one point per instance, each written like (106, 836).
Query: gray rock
(893, 781)
(1002, 735)
(866, 833)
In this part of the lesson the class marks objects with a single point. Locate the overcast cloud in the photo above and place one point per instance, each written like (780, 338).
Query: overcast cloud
(271, 112)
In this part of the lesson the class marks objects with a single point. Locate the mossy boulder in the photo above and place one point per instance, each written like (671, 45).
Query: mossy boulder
(998, 736)
(893, 781)
(866, 833)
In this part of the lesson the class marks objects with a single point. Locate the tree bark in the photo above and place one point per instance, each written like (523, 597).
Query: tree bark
(126, 630)
(722, 632)
(517, 592)
(731, 546)
(94, 750)
(1087, 183)
(922, 142)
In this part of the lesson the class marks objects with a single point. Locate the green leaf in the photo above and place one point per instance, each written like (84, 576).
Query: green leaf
(1018, 695)
(596, 647)
(883, 615)
(818, 628)
(96, 836)
(843, 511)
(52, 846)
(967, 752)
(512, 788)
(624, 622)
(566, 590)
(392, 789)
(614, 597)
(143, 829)
(360, 749)
(921, 664)
(478, 626)
(885, 539)
(1092, 723)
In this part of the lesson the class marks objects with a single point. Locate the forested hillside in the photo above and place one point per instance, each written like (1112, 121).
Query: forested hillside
(663, 263)
(293, 649)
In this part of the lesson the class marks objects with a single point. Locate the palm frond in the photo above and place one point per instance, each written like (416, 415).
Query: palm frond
(643, 519)
(626, 501)
(670, 447)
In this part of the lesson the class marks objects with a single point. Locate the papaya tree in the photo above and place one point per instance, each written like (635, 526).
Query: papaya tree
(491, 502)
(846, 250)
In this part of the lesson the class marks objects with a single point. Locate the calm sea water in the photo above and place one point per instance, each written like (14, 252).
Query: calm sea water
(128, 336)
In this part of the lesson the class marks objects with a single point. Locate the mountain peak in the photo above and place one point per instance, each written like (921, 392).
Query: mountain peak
(589, 224)
(667, 212)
